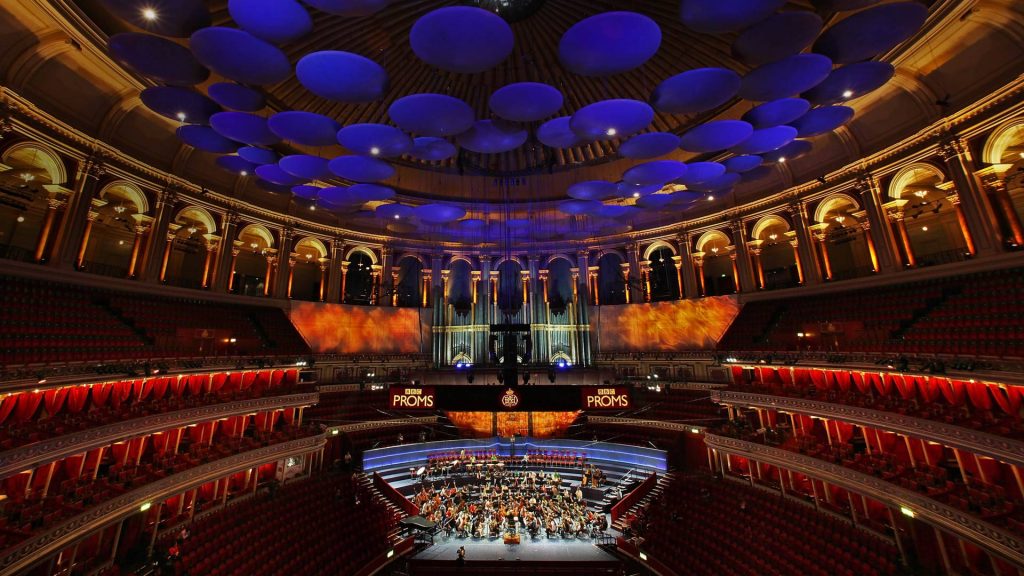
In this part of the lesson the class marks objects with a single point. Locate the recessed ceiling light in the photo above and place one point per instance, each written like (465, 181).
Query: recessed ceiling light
(710, 197)
(244, 173)
(149, 14)
(312, 207)
(611, 132)
(397, 216)
(782, 159)
(847, 93)
(924, 228)
(375, 151)
(21, 219)
(181, 116)
(636, 194)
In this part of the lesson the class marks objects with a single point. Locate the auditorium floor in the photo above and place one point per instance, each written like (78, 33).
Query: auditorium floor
(538, 550)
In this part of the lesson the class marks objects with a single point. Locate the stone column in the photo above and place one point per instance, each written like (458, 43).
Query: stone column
(698, 263)
(897, 216)
(236, 249)
(334, 275)
(872, 251)
(210, 242)
(735, 271)
(225, 268)
(90, 219)
(68, 233)
(595, 289)
(755, 254)
(271, 261)
(172, 233)
(634, 283)
(280, 289)
(645, 279)
(821, 237)
(141, 227)
(994, 181)
(879, 228)
(961, 220)
(152, 260)
(805, 250)
(689, 278)
(394, 289)
(625, 280)
(677, 261)
(292, 260)
(52, 206)
(739, 241)
(386, 261)
(981, 218)
(796, 260)
(375, 285)
(344, 277)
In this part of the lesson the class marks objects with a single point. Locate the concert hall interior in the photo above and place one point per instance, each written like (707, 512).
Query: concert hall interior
(511, 287)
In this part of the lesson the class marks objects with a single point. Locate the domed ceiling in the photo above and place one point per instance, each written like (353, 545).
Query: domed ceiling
(446, 117)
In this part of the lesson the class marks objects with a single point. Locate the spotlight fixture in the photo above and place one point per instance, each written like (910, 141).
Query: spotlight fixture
(149, 14)
(711, 197)
(782, 159)
(20, 219)
(924, 228)
(773, 237)
(244, 173)
(312, 207)
(397, 217)
(636, 194)
(181, 116)
(611, 132)
(839, 220)
(374, 151)
(27, 177)
(847, 93)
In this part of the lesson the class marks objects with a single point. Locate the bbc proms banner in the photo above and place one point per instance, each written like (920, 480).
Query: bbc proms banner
(510, 398)
(663, 326)
(346, 329)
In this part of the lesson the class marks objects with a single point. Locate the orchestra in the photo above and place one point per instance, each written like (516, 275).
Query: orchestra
(492, 502)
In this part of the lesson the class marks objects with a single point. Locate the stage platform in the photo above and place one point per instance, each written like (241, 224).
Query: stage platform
(540, 556)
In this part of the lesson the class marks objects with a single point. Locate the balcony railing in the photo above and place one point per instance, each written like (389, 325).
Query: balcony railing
(948, 518)
(981, 443)
(57, 537)
(53, 449)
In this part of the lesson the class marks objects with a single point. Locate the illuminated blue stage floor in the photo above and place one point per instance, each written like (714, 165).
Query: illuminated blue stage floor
(539, 550)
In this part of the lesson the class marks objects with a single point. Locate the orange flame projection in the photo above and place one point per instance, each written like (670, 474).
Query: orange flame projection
(345, 329)
(675, 325)
(481, 424)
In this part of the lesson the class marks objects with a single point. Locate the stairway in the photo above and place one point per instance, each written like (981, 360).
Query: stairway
(930, 305)
(264, 336)
(663, 481)
(771, 324)
(105, 304)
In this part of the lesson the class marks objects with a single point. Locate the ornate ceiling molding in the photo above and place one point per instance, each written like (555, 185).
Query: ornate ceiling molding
(17, 559)
(982, 443)
(929, 510)
(53, 449)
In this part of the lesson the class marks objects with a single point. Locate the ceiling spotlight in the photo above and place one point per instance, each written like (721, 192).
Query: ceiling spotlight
(312, 207)
(120, 242)
(611, 132)
(181, 116)
(375, 151)
(244, 172)
(782, 159)
(847, 93)
(710, 197)
(397, 216)
(924, 228)
(149, 14)
(636, 194)
(20, 219)
(26, 176)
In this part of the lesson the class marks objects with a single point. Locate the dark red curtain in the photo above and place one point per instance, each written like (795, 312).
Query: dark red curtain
(906, 385)
(54, 400)
(78, 396)
(160, 386)
(952, 390)
(291, 376)
(28, 405)
(7, 405)
(101, 394)
(978, 393)
(1008, 398)
(842, 380)
(862, 383)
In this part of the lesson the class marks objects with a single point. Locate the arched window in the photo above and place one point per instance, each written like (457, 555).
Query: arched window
(663, 276)
(611, 284)
(359, 282)
(410, 283)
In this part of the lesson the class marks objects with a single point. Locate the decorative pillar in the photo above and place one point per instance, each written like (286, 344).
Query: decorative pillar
(982, 220)
(292, 259)
(375, 284)
(897, 216)
(755, 255)
(994, 181)
(645, 278)
(344, 277)
(334, 274)
(961, 220)
(677, 261)
(865, 226)
(210, 243)
(742, 265)
(805, 249)
(822, 238)
(625, 280)
(156, 241)
(52, 205)
(224, 270)
(634, 284)
(575, 283)
(140, 231)
(386, 259)
(796, 260)
(426, 287)
(284, 251)
(475, 275)
(67, 234)
(271, 259)
(80, 260)
(880, 230)
(698, 262)
(394, 287)
(172, 233)
(235, 251)
(688, 285)
(592, 280)
(735, 270)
